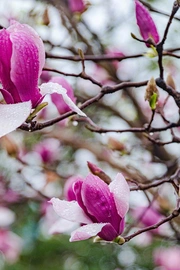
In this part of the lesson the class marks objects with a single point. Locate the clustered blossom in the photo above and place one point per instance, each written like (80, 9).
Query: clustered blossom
(22, 57)
(98, 207)
(146, 24)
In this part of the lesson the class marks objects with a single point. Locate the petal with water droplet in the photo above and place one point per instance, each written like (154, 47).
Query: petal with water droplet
(120, 190)
(50, 88)
(12, 116)
(70, 211)
(86, 231)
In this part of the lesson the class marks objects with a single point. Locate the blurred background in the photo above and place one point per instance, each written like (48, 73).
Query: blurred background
(34, 167)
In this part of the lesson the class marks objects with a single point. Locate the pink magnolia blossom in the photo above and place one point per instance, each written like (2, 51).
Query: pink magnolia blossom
(77, 5)
(100, 208)
(146, 24)
(61, 105)
(168, 258)
(22, 57)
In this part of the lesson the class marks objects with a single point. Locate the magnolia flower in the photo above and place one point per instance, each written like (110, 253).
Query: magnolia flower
(77, 5)
(146, 24)
(22, 57)
(99, 208)
(168, 258)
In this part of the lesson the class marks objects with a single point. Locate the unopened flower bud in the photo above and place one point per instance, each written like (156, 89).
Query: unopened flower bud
(100, 173)
(152, 93)
(119, 240)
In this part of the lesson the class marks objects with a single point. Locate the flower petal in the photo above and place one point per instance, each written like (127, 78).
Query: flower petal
(86, 231)
(70, 211)
(12, 116)
(5, 67)
(26, 61)
(50, 88)
(58, 99)
(146, 24)
(62, 226)
(120, 190)
(99, 201)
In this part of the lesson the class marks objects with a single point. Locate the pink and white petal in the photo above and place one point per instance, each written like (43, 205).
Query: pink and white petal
(66, 85)
(70, 211)
(12, 116)
(86, 231)
(5, 66)
(50, 88)
(33, 36)
(7, 96)
(63, 226)
(25, 66)
(120, 189)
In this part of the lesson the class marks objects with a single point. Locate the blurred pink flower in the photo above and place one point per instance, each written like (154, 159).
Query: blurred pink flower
(10, 245)
(99, 207)
(7, 194)
(115, 53)
(168, 258)
(148, 216)
(146, 24)
(48, 150)
(77, 5)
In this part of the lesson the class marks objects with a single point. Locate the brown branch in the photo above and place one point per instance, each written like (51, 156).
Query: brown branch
(174, 214)
(82, 75)
(159, 46)
(94, 58)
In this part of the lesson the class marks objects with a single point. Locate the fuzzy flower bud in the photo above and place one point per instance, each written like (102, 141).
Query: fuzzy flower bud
(152, 93)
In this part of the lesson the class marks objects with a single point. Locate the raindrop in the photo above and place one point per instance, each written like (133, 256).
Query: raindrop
(75, 123)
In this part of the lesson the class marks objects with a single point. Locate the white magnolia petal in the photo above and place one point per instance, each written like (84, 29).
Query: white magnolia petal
(70, 211)
(50, 88)
(62, 226)
(120, 189)
(86, 231)
(13, 115)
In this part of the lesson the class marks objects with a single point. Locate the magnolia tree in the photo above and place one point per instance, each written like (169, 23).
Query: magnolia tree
(90, 135)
